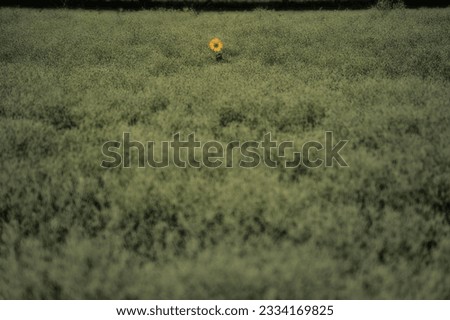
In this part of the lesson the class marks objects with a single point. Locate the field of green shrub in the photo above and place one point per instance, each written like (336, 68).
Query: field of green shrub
(71, 80)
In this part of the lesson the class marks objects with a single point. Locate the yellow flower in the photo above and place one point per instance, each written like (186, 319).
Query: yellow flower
(216, 45)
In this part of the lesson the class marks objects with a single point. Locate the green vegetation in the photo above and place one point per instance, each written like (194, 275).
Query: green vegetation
(390, 4)
(71, 80)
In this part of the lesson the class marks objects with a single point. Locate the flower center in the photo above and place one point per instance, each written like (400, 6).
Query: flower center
(216, 45)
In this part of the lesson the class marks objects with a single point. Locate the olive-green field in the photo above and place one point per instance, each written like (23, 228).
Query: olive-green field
(70, 80)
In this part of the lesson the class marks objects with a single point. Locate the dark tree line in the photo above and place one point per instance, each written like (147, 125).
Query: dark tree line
(217, 4)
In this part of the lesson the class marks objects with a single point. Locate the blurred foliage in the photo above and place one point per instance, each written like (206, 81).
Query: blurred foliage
(71, 80)
(390, 4)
